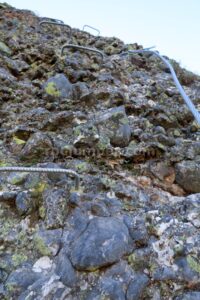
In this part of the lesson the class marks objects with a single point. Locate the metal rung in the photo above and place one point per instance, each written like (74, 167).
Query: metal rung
(53, 20)
(73, 46)
(97, 30)
(57, 24)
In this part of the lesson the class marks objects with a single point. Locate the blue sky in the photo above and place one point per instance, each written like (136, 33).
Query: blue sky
(172, 25)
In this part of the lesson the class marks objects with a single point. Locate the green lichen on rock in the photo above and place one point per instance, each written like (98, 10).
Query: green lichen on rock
(24, 240)
(51, 89)
(42, 212)
(3, 164)
(109, 49)
(77, 130)
(131, 258)
(140, 262)
(10, 287)
(41, 247)
(38, 189)
(124, 121)
(107, 182)
(194, 265)
(135, 262)
(18, 259)
(103, 143)
(4, 49)
(67, 150)
(6, 226)
(82, 167)
(17, 178)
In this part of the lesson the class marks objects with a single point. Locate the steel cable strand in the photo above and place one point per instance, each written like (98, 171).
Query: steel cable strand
(187, 100)
(44, 170)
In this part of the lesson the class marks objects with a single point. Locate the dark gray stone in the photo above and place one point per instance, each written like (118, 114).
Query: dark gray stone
(164, 273)
(81, 91)
(48, 242)
(122, 136)
(114, 124)
(33, 181)
(188, 270)
(189, 296)
(112, 289)
(162, 171)
(5, 75)
(8, 196)
(16, 66)
(165, 140)
(3, 292)
(19, 280)
(60, 120)
(37, 148)
(113, 205)
(99, 209)
(104, 242)
(76, 224)
(121, 272)
(159, 129)
(188, 176)
(58, 87)
(137, 286)
(6, 262)
(65, 270)
(17, 178)
(47, 287)
(3, 275)
(178, 151)
(107, 288)
(74, 199)
(137, 230)
(24, 203)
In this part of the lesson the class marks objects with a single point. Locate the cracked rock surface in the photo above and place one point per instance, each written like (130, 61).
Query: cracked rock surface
(131, 230)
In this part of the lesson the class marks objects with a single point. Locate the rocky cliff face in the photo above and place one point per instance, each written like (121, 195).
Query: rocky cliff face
(131, 230)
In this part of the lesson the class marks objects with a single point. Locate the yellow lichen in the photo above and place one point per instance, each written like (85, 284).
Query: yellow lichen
(51, 89)
(42, 212)
(18, 141)
(3, 164)
(82, 167)
(38, 189)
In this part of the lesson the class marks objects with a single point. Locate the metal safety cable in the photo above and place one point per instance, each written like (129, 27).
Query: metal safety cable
(44, 170)
(187, 100)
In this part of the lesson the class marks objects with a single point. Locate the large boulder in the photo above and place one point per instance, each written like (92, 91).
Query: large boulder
(104, 242)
